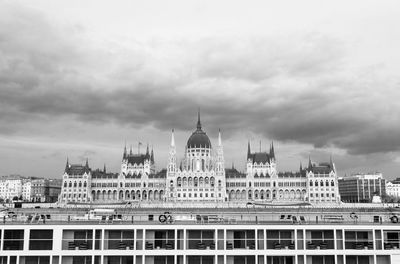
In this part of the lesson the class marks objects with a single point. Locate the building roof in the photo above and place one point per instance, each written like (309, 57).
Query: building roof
(289, 174)
(98, 174)
(137, 158)
(234, 173)
(74, 169)
(262, 175)
(321, 168)
(260, 157)
(159, 175)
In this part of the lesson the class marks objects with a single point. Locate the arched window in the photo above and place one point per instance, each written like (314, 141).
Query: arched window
(65, 184)
(332, 183)
(326, 183)
(316, 183)
(322, 183)
(171, 183)
(207, 181)
(179, 182)
(190, 182)
(84, 184)
(196, 182)
(74, 184)
(212, 181)
(80, 184)
(219, 183)
(201, 182)
(311, 183)
(202, 165)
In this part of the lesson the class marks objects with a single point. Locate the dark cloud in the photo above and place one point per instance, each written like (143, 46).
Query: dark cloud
(290, 88)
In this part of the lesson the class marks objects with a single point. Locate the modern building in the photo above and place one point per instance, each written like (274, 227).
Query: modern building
(360, 188)
(235, 237)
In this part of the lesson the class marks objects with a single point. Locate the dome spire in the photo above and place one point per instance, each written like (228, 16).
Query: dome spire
(198, 120)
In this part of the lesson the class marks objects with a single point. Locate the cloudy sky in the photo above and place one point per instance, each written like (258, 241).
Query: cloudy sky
(79, 78)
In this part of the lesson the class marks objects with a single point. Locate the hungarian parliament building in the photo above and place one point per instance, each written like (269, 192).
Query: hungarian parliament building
(200, 177)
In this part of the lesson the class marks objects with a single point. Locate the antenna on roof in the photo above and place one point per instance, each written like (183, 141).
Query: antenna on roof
(198, 120)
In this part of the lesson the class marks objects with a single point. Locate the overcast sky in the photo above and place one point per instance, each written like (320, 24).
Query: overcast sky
(79, 78)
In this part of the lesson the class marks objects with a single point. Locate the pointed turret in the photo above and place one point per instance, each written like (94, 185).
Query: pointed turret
(147, 152)
(301, 167)
(248, 150)
(172, 154)
(219, 138)
(152, 156)
(272, 151)
(331, 164)
(104, 169)
(130, 151)
(67, 165)
(125, 152)
(198, 120)
(172, 139)
(309, 163)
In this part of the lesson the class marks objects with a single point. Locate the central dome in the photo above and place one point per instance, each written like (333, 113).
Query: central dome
(199, 138)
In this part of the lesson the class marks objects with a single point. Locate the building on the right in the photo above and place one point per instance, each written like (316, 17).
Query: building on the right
(360, 188)
(393, 188)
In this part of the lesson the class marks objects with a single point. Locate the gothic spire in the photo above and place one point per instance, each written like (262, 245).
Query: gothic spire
(219, 138)
(130, 151)
(198, 120)
(147, 151)
(309, 163)
(172, 139)
(152, 155)
(125, 152)
(248, 150)
(87, 163)
(301, 167)
(272, 151)
(67, 165)
(104, 169)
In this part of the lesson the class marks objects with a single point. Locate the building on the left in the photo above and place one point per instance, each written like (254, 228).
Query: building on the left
(29, 189)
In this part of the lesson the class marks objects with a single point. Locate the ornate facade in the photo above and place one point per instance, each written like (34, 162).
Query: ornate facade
(76, 183)
(201, 174)
(263, 183)
(200, 177)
